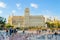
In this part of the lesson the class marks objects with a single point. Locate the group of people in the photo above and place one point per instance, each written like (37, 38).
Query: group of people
(11, 31)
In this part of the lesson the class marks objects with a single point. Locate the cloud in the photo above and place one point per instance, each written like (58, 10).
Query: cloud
(2, 5)
(18, 5)
(1, 12)
(34, 5)
(13, 11)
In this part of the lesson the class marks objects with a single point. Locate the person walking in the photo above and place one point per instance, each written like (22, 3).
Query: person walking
(6, 31)
(15, 31)
(10, 31)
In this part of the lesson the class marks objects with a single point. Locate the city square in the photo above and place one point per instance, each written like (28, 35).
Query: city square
(29, 20)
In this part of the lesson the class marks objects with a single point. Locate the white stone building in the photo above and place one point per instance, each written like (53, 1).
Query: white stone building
(27, 20)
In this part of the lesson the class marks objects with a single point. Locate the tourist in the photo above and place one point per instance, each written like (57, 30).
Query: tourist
(55, 33)
(15, 31)
(23, 31)
(6, 31)
(39, 31)
(11, 30)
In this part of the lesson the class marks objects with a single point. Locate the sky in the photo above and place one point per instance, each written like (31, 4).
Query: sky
(48, 8)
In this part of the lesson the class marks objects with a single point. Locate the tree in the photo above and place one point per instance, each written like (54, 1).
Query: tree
(48, 24)
(8, 25)
(58, 25)
(2, 22)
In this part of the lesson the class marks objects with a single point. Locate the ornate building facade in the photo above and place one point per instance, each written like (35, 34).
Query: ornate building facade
(27, 20)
